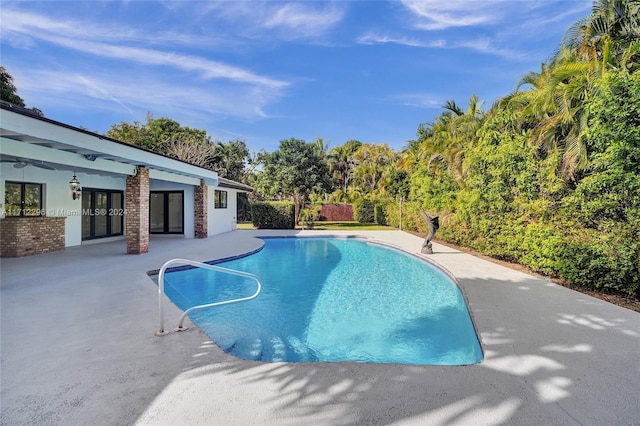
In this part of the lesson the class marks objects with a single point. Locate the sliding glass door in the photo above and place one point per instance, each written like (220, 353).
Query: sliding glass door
(102, 213)
(166, 212)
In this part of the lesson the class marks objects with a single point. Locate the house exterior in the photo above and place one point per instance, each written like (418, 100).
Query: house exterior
(63, 186)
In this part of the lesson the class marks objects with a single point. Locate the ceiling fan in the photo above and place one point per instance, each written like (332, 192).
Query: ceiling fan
(21, 163)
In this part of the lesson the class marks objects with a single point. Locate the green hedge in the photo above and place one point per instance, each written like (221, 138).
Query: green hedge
(366, 211)
(380, 214)
(273, 215)
(584, 257)
(363, 211)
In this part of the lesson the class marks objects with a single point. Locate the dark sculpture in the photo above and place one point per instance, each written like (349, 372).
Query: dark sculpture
(433, 225)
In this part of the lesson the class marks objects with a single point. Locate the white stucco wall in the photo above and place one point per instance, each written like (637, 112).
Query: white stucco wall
(222, 220)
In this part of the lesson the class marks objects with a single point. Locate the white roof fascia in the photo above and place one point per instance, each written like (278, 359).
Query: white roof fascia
(228, 183)
(44, 130)
(172, 177)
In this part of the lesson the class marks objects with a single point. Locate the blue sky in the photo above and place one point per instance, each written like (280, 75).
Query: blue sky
(267, 71)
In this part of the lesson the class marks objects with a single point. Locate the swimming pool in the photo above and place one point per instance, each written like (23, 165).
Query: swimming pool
(332, 299)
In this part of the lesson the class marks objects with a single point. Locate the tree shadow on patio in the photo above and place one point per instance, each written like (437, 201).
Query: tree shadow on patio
(541, 367)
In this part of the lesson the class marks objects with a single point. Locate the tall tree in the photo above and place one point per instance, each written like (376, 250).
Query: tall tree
(294, 171)
(454, 130)
(230, 159)
(341, 166)
(372, 164)
(8, 91)
(606, 34)
(607, 39)
(555, 107)
(134, 133)
(321, 146)
(189, 148)
(166, 136)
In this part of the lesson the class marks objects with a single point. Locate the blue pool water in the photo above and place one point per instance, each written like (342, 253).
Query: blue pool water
(332, 299)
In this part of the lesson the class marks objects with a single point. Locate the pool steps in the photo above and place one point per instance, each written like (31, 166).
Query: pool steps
(278, 349)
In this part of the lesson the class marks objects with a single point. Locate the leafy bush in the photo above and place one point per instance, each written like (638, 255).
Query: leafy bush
(542, 249)
(602, 261)
(380, 214)
(244, 207)
(310, 215)
(273, 215)
(363, 211)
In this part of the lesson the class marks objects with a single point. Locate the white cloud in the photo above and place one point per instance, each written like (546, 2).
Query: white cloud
(39, 26)
(421, 100)
(482, 45)
(206, 68)
(372, 38)
(269, 20)
(542, 21)
(127, 73)
(132, 93)
(303, 20)
(439, 15)
(76, 36)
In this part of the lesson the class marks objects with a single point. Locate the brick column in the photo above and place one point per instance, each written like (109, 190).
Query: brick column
(137, 227)
(200, 216)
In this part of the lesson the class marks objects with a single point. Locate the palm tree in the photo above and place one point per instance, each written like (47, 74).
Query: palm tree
(321, 147)
(454, 130)
(606, 34)
(555, 106)
(341, 166)
(229, 159)
(607, 39)
(372, 164)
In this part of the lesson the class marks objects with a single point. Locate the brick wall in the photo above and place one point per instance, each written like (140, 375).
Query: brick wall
(200, 209)
(26, 236)
(137, 220)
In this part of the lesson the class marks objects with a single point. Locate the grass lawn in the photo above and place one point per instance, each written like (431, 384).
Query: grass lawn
(332, 226)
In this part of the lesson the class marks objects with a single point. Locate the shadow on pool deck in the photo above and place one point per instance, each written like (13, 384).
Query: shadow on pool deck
(78, 348)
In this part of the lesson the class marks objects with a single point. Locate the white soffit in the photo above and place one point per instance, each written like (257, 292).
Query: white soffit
(69, 159)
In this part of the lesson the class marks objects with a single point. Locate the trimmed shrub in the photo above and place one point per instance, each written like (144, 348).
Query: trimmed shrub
(380, 214)
(602, 261)
(542, 249)
(273, 215)
(244, 208)
(363, 211)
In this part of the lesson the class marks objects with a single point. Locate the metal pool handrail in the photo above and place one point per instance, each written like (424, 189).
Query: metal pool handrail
(162, 331)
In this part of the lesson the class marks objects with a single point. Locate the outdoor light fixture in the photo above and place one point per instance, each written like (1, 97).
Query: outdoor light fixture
(76, 190)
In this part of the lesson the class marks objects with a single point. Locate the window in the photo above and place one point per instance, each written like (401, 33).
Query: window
(220, 199)
(102, 213)
(23, 199)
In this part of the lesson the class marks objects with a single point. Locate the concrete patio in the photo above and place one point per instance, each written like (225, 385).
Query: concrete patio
(78, 348)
